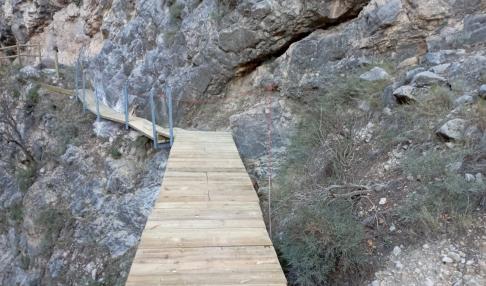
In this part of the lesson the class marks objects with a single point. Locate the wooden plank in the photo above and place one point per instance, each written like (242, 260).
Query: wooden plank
(156, 238)
(159, 214)
(204, 223)
(266, 278)
(170, 256)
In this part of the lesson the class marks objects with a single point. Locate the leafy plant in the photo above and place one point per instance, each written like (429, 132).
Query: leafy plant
(16, 212)
(26, 176)
(115, 153)
(32, 97)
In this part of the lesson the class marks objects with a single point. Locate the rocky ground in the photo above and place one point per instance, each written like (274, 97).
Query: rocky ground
(459, 261)
(396, 90)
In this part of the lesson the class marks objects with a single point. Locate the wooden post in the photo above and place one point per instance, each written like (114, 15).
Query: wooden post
(56, 61)
(18, 53)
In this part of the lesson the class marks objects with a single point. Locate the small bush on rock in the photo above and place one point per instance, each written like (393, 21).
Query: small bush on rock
(26, 177)
(115, 153)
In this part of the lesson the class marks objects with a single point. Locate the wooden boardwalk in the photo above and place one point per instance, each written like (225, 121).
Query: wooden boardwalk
(206, 227)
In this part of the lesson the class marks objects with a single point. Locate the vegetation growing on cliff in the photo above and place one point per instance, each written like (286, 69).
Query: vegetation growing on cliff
(334, 205)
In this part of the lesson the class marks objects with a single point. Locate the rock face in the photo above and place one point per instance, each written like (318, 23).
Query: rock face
(247, 66)
(75, 216)
(193, 48)
(94, 204)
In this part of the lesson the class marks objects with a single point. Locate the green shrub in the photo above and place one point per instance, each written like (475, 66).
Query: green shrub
(115, 153)
(24, 261)
(16, 212)
(16, 93)
(442, 195)
(320, 239)
(175, 10)
(26, 177)
(320, 236)
(32, 98)
(345, 91)
(52, 221)
(66, 133)
(141, 143)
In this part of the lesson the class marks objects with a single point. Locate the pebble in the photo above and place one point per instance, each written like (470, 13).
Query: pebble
(387, 111)
(469, 177)
(447, 259)
(382, 201)
(397, 250)
(455, 256)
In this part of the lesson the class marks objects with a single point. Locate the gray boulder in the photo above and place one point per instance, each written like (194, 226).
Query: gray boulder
(482, 91)
(464, 100)
(453, 129)
(412, 73)
(440, 69)
(405, 94)
(427, 78)
(375, 74)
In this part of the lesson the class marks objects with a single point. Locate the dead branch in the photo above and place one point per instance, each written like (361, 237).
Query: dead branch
(10, 130)
(355, 190)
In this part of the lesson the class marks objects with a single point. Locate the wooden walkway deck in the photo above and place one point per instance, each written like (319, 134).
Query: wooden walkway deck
(206, 227)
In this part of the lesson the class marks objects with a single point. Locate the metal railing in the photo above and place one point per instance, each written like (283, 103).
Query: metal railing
(80, 83)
